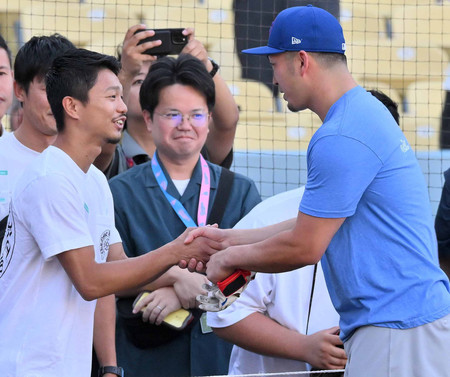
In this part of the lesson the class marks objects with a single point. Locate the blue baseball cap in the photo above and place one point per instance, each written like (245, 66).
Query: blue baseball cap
(305, 28)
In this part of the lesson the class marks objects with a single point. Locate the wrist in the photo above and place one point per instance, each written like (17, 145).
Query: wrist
(110, 370)
(213, 67)
(175, 275)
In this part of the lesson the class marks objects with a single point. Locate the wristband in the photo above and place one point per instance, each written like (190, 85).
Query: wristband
(215, 67)
(109, 369)
(234, 282)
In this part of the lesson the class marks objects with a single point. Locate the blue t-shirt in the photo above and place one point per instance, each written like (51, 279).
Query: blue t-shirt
(381, 266)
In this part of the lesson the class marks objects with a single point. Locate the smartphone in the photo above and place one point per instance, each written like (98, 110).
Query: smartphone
(172, 40)
(177, 320)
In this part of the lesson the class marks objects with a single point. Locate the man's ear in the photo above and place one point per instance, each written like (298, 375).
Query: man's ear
(304, 61)
(19, 91)
(148, 119)
(71, 107)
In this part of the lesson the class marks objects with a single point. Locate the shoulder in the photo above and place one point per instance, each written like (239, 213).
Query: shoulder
(6, 143)
(133, 176)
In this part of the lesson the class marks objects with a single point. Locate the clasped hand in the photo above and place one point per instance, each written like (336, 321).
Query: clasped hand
(211, 262)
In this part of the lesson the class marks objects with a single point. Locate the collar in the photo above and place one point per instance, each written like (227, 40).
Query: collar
(193, 186)
(130, 146)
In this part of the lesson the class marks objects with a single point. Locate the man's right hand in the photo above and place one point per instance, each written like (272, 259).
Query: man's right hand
(133, 56)
(212, 232)
(198, 249)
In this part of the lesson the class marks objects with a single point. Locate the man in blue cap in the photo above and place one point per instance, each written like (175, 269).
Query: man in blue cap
(365, 212)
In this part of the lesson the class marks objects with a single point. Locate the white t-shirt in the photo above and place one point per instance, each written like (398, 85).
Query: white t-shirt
(14, 158)
(47, 327)
(284, 297)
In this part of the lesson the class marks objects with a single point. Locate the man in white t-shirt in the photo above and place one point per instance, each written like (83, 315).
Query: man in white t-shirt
(61, 228)
(38, 129)
(6, 82)
(276, 311)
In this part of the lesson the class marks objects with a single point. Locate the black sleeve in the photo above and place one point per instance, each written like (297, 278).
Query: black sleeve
(442, 221)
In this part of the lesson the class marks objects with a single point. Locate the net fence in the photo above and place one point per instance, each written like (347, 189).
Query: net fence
(399, 47)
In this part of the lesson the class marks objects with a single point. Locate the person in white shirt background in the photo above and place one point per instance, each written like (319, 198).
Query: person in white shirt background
(282, 321)
(6, 81)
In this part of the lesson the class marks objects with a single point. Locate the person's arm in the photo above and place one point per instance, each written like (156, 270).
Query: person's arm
(303, 245)
(261, 334)
(225, 114)
(93, 280)
(105, 332)
(132, 57)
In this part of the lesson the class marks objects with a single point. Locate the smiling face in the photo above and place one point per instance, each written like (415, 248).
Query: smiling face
(6, 83)
(104, 113)
(183, 141)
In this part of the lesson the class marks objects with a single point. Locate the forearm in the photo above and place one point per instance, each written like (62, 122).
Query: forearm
(167, 279)
(225, 116)
(251, 236)
(260, 334)
(93, 280)
(126, 77)
(225, 112)
(301, 245)
(278, 253)
(105, 331)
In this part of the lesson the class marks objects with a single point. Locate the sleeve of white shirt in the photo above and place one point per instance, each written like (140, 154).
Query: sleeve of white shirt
(54, 214)
(259, 292)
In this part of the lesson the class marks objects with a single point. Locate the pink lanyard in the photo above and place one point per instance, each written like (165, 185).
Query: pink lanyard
(179, 209)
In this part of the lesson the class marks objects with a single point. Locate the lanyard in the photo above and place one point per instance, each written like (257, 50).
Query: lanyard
(179, 209)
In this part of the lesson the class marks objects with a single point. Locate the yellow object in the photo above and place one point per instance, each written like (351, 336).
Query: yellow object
(178, 319)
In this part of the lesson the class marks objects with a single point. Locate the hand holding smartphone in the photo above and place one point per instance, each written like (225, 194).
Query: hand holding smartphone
(173, 41)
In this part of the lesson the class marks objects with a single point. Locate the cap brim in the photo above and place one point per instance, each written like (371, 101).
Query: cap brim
(264, 50)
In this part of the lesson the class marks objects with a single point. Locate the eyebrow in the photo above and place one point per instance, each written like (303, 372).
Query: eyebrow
(113, 88)
(175, 109)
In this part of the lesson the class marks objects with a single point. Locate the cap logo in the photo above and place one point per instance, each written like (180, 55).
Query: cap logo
(343, 46)
(296, 41)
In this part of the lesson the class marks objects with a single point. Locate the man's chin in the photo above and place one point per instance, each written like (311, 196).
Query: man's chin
(113, 140)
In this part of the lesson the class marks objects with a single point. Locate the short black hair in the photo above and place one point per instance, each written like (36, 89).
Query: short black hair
(73, 74)
(387, 101)
(35, 57)
(5, 47)
(185, 70)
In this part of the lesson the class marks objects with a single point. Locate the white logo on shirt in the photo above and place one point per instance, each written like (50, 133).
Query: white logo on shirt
(404, 145)
(296, 41)
(9, 242)
(104, 244)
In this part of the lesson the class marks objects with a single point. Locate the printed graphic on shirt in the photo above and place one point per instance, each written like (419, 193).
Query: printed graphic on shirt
(8, 244)
(404, 145)
(104, 244)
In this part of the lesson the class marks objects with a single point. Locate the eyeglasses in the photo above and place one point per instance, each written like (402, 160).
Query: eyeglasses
(175, 118)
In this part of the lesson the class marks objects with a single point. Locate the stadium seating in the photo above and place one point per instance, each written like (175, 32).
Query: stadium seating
(422, 123)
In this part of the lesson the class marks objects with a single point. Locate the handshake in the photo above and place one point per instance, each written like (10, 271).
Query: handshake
(226, 290)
